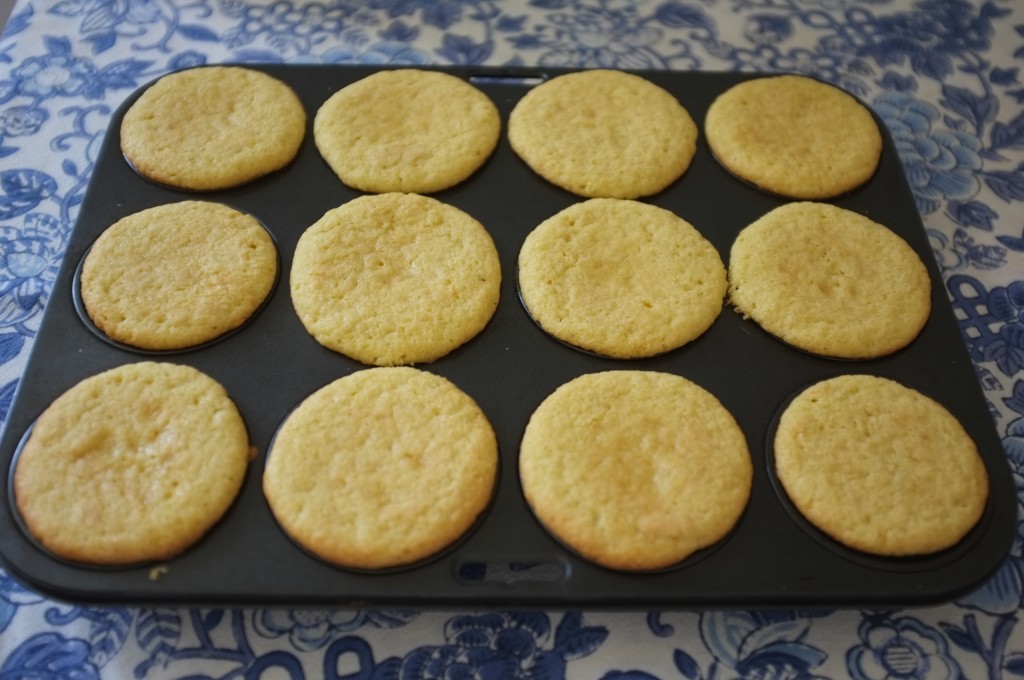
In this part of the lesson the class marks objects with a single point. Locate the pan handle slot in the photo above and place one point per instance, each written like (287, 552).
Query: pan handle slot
(510, 78)
(511, 573)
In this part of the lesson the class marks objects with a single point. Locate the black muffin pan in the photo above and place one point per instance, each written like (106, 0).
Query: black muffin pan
(772, 558)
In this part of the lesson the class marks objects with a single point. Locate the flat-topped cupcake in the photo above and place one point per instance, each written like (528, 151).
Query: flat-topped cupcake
(879, 466)
(177, 275)
(406, 130)
(794, 136)
(829, 281)
(213, 127)
(635, 470)
(603, 134)
(381, 468)
(621, 278)
(134, 464)
(395, 279)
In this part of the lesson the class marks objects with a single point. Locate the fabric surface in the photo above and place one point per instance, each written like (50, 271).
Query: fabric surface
(944, 75)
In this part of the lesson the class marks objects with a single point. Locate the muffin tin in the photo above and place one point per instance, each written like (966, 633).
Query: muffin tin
(772, 558)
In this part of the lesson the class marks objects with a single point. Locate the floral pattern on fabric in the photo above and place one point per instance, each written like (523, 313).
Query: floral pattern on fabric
(945, 77)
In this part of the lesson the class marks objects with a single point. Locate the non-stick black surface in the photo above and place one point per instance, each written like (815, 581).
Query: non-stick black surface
(773, 558)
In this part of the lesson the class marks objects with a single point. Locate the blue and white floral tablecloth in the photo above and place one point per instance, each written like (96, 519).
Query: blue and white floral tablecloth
(945, 75)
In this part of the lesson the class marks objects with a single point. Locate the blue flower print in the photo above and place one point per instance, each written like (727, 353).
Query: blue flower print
(13, 596)
(22, 190)
(187, 59)
(998, 335)
(102, 19)
(59, 73)
(974, 254)
(53, 75)
(992, 323)
(504, 645)
(1006, 303)
(141, 11)
(440, 13)
(21, 121)
(291, 29)
(1003, 594)
(766, 645)
(104, 15)
(761, 58)
(306, 630)
(29, 260)
(899, 83)
(600, 38)
(378, 53)
(900, 648)
(972, 214)
(939, 165)
(808, 62)
(675, 14)
(50, 656)
(285, 17)
(768, 28)
(313, 629)
(929, 37)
